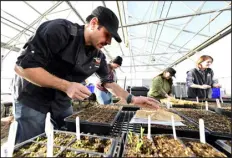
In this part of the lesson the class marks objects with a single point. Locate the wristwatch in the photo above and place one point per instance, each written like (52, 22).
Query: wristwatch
(129, 98)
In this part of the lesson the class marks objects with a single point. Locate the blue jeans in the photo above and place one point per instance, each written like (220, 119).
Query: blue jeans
(103, 97)
(32, 123)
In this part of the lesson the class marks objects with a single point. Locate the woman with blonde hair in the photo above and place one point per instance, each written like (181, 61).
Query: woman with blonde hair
(200, 80)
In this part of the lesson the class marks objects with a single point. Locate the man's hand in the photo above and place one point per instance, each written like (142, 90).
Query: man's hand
(146, 102)
(205, 86)
(77, 91)
(217, 85)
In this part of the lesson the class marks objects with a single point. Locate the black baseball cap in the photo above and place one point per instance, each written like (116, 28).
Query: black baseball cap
(117, 60)
(108, 19)
(171, 71)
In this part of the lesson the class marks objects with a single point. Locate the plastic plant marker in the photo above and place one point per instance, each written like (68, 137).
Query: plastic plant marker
(149, 127)
(218, 103)
(221, 99)
(206, 106)
(48, 123)
(174, 96)
(173, 127)
(180, 96)
(78, 128)
(50, 137)
(197, 99)
(168, 105)
(202, 130)
(49, 130)
(11, 138)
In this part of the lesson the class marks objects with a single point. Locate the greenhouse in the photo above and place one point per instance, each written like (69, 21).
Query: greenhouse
(116, 78)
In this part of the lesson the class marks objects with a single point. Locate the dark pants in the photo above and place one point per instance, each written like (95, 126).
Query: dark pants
(32, 122)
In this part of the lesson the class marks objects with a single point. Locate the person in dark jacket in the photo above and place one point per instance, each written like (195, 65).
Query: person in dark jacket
(200, 80)
(102, 94)
(162, 84)
(54, 62)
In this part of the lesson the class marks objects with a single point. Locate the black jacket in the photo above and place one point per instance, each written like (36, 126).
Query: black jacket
(58, 46)
(195, 76)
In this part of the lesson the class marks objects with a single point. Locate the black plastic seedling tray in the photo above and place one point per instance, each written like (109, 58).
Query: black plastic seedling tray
(91, 127)
(126, 107)
(221, 110)
(224, 147)
(184, 139)
(225, 100)
(67, 147)
(162, 129)
(152, 140)
(212, 134)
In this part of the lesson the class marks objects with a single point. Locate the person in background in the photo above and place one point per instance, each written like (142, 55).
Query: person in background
(200, 80)
(162, 84)
(102, 94)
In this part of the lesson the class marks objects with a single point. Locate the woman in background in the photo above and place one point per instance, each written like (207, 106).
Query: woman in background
(162, 84)
(102, 94)
(200, 79)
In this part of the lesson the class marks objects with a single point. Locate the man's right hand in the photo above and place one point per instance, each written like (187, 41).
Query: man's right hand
(77, 91)
(205, 86)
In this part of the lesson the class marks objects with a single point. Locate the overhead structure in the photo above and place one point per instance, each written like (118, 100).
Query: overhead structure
(156, 34)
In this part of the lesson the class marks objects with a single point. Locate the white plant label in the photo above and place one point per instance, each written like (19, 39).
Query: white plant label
(49, 130)
(149, 127)
(221, 99)
(78, 128)
(206, 106)
(11, 138)
(173, 127)
(218, 103)
(168, 105)
(202, 130)
(50, 138)
(197, 99)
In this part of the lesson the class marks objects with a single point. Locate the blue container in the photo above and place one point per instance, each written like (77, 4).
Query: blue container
(215, 92)
(91, 88)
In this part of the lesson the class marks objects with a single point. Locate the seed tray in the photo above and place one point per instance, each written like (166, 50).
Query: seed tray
(92, 124)
(34, 140)
(190, 130)
(128, 107)
(154, 147)
(224, 110)
(23, 149)
(209, 124)
(207, 149)
(226, 147)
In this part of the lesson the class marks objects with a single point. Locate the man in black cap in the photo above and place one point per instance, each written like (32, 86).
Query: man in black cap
(55, 61)
(102, 94)
(162, 84)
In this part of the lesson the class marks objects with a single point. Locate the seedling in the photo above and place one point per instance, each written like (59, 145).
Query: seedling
(141, 132)
(130, 135)
(139, 144)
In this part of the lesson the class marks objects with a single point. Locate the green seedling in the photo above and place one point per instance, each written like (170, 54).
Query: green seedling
(139, 145)
(130, 135)
(141, 132)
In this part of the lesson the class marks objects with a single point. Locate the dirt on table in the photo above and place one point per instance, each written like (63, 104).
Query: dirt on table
(5, 127)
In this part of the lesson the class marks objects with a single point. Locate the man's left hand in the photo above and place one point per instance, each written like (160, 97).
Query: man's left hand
(146, 102)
